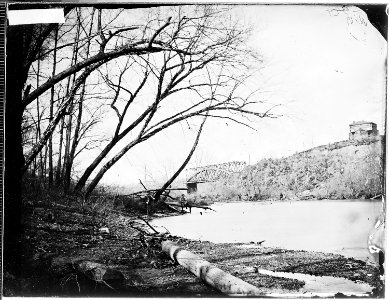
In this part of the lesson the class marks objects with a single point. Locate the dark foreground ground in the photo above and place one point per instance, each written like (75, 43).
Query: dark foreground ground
(59, 239)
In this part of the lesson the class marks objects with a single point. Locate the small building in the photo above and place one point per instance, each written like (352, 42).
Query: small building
(362, 130)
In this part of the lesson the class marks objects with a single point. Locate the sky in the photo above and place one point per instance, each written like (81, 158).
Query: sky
(323, 67)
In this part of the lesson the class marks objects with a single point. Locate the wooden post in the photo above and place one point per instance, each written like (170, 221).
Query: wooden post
(215, 277)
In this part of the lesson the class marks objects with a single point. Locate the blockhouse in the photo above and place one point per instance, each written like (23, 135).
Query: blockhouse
(362, 130)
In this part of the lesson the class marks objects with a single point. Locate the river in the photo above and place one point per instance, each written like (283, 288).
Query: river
(335, 226)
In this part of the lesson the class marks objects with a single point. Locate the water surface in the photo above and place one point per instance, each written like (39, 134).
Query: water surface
(324, 284)
(335, 226)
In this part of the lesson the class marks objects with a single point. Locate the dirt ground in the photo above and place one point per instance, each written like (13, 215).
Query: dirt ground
(60, 238)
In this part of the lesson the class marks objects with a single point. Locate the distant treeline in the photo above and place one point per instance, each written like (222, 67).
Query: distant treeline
(342, 170)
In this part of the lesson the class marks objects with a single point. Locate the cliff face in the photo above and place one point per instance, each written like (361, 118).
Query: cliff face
(348, 169)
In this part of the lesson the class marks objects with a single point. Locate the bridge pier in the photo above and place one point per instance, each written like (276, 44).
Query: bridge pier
(191, 187)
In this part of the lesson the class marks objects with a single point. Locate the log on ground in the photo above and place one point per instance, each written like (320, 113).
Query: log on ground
(212, 275)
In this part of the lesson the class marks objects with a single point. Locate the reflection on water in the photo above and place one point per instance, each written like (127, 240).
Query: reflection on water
(335, 226)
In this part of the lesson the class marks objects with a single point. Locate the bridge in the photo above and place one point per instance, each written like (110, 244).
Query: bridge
(211, 173)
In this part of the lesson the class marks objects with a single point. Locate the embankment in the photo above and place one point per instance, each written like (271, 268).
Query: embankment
(342, 170)
(56, 248)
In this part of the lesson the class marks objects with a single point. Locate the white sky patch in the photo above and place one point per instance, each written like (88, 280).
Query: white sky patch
(36, 16)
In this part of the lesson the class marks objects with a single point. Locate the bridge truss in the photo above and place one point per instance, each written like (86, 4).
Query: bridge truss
(212, 173)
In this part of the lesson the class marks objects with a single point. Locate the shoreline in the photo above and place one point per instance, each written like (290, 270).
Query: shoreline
(241, 260)
(278, 239)
(353, 270)
(54, 249)
(246, 260)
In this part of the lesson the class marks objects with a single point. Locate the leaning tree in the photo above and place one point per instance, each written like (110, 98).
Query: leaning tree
(196, 53)
(178, 63)
(203, 72)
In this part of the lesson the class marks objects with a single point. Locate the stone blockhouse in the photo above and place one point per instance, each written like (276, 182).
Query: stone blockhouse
(362, 130)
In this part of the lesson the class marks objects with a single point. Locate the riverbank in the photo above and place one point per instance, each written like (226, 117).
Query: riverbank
(331, 226)
(58, 238)
(277, 271)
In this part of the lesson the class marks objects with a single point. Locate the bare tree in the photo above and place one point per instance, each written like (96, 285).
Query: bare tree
(76, 134)
(204, 69)
(173, 51)
(119, 132)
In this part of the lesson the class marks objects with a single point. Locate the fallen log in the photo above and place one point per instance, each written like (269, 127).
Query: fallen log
(215, 277)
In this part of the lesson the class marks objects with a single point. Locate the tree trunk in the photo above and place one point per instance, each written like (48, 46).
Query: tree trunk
(182, 167)
(67, 158)
(69, 165)
(16, 76)
(59, 162)
(112, 161)
(19, 56)
(106, 167)
(60, 166)
(59, 115)
(44, 165)
(82, 181)
(66, 181)
(38, 127)
(51, 172)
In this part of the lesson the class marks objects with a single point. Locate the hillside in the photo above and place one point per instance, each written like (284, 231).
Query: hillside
(342, 170)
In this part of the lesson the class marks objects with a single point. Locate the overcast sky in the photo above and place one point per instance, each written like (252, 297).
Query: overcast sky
(324, 66)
